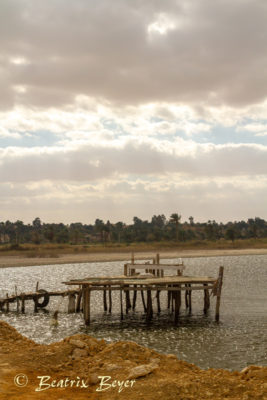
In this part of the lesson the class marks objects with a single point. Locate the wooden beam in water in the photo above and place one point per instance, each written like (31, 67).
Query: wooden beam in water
(134, 297)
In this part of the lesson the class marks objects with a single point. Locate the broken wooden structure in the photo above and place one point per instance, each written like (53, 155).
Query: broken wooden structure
(132, 283)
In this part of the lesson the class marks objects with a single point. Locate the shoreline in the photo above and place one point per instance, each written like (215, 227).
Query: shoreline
(18, 261)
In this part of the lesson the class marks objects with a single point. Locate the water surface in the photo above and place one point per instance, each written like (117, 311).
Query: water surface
(238, 340)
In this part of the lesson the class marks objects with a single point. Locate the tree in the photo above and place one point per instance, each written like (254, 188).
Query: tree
(175, 218)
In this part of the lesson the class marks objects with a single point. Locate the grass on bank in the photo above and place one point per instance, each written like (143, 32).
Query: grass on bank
(54, 250)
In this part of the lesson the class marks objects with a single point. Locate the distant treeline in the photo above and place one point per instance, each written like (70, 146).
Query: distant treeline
(158, 229)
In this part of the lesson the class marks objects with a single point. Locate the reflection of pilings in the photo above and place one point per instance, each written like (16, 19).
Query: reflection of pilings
(169, 299)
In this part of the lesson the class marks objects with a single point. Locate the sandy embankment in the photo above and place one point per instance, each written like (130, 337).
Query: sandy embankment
(19, 261)
(143, 373)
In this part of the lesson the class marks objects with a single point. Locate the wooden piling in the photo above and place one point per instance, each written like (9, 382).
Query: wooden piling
(86, 305)
(121, 303)
(132, 258)
(157, 258)
(128, 300)
(134, 297)
(22, 304)
(71, 304)
(78, 302)
(110, 299)
(206, 299)
(219, 289)
(190, 298)
(158, 300)
(105, 299)
(149, 314)
(143, 301)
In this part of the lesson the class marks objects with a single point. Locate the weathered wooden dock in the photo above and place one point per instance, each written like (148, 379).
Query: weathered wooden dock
(138, 279)
(40, 298)
(153, 280)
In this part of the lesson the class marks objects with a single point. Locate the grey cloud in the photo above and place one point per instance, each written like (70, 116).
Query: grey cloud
(90, 163)
(216, 55)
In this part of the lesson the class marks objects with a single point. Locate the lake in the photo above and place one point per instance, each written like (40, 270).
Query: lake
(238, 340)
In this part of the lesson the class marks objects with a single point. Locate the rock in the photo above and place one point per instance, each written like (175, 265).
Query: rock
(78, 353)
(77, 343)
(112, 367)
(93, 379)
(171, 357)
(142, 370)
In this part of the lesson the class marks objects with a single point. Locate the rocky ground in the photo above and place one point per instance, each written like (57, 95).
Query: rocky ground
(122, 370)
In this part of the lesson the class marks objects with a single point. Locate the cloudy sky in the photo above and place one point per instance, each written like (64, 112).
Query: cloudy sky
(116, 108)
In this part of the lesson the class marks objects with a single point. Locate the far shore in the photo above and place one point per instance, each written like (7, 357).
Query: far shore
(7, 261)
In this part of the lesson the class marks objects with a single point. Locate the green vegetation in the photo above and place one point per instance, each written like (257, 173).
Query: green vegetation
(46, 240)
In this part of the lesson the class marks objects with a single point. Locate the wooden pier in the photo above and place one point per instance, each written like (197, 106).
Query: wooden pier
(139, 279)
(153, 280)
(40, 298)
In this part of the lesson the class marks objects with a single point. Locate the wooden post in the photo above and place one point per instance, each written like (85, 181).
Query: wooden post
(186, 296)
(105, 299)
(158, 301)
(149, 314)
(78, 302)
(22, 304)
(121, 302)
(134, 297)
(71, 305)
(37, 286)
(132, 258)
(157, 258)
(219, 289)
(125, 270)
(143, 300)
(190, 298)
(128, 300)
(86, 305)
(110, 300)
(206, 299)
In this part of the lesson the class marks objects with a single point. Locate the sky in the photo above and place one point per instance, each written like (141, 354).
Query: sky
(115, 109)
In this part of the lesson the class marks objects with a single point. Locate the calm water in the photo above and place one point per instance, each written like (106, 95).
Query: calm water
(239, 339)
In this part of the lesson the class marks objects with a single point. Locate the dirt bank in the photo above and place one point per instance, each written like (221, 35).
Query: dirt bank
(19, 261)
(142, 373)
